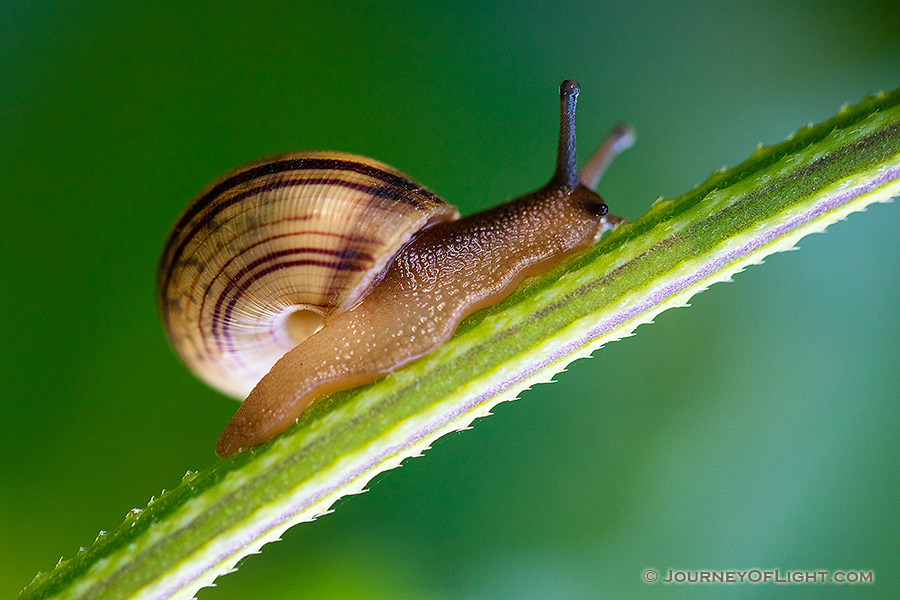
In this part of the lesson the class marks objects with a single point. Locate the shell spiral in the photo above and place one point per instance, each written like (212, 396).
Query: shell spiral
(295, 234)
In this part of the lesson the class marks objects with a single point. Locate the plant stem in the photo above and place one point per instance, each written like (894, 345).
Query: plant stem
(189, 536)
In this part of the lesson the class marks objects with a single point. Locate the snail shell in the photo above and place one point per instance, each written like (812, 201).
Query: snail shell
(309, 273)
(263, 255)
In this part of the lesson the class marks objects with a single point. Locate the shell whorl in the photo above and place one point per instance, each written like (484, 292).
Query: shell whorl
(306, 231)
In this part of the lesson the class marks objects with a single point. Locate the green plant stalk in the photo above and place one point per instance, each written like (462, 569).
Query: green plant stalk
(189, 536)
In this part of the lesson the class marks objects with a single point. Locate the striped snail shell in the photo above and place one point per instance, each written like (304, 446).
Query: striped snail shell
(266, 253)
(308, 273)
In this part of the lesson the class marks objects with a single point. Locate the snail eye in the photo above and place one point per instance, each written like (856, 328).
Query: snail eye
(598, 209)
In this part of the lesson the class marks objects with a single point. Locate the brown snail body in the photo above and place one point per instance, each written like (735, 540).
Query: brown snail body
(347, 270)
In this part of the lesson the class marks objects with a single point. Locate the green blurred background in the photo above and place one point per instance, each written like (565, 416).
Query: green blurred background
(759, 428)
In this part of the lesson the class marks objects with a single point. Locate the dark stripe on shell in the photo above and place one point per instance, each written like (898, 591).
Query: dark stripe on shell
(345, 254)
(302, 164)
(241, 286)
(340, 266)
(207, 199)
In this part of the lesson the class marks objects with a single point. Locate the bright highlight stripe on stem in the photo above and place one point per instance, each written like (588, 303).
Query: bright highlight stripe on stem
(185, 539)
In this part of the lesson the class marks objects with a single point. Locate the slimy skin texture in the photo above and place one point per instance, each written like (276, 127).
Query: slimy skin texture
(446, 273)
(313, 272)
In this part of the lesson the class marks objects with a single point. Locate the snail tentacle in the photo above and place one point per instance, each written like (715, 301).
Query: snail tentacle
(566, 156)
(620, 138)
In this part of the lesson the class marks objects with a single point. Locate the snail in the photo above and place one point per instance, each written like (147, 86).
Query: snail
(312, 272)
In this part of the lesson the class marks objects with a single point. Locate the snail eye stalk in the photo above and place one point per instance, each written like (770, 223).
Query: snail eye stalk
(566, 157)
(619, 139)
